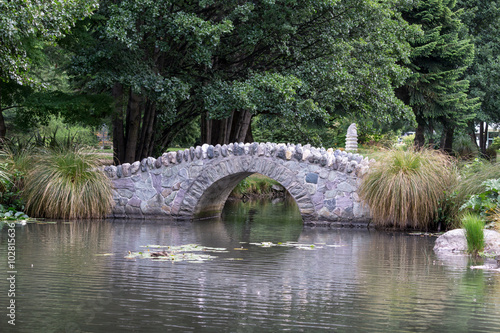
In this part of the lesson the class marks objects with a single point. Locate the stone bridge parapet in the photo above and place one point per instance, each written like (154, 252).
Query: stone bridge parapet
(196, 182)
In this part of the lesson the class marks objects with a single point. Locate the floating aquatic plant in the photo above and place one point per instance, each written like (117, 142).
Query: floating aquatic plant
(299, 246)
(186, 252)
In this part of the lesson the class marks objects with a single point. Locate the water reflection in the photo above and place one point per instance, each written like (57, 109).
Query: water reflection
(353, 280)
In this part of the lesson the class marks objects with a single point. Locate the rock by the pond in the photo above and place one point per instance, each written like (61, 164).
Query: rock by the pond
(454, 241)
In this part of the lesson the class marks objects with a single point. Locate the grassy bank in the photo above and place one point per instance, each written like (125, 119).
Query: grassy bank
(257, 186)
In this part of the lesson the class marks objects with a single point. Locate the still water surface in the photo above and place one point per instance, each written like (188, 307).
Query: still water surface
(75, 278)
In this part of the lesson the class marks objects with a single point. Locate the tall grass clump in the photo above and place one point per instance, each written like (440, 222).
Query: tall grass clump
(474, 232)
(404, 188)
(66, 183)
(4, 168)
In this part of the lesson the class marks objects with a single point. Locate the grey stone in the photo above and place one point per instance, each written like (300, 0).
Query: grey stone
(330, 204)
(281, 153)
(134, 202)
(110, 171)
(198, 153)
(191, 153)
(179, 156)
(204, 149)
(312, 178)
(238, 150)
(124, 184)
(210, 152)
(151, 162)
(126, 169)
(134, 167)
(144, 165)
(323, 160)
(454, 241)
(298, 153)
(346, 187)
(119, 171)
(253, 148)
(217, 150)
(158, 162)
(125, 193)
(223, 151)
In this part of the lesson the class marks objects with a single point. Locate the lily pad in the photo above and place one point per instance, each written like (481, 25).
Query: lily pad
(188, 252)
(291, 244)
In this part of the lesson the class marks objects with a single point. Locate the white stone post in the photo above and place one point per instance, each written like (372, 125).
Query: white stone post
(351, 140)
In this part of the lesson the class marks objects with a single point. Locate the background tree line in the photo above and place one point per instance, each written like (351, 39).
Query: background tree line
(159, 71)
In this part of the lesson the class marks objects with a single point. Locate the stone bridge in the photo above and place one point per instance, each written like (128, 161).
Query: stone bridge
(196, 182)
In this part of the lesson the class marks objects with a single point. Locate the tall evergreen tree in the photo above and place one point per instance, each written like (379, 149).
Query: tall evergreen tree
(436, 90)
(483, 20)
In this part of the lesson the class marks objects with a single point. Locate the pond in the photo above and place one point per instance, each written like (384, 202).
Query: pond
(265, 273)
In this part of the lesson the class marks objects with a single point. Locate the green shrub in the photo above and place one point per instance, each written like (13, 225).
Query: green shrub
(66, 183)
(409, 140)
(474, 232)
(485, 203)
(464, 148)
(472, 179)
(404, 188)
(11, 180)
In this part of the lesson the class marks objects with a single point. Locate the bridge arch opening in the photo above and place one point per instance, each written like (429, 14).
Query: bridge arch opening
(208, 194)
(214, 199)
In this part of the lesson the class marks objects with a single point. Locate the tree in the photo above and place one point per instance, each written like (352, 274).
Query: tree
(25, 27)
(436, 90)
(168, 62)
(483, 20)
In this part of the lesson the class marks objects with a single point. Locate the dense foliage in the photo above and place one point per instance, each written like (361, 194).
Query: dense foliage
(168, 62)
(28, 30)
(436, 90)
(483, 20)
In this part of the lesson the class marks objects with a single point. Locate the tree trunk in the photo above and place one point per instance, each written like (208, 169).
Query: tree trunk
(249, 137)
(117, 123)
(471, 130)
(3, 128)
(133, 126)
(483, 136)
(419, 133)
(235, 128)
(145, 146)
(449, 131)
(431, 134)
(240, 126)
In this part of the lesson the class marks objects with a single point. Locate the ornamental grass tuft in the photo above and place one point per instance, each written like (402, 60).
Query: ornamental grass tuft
(404, 188)
(474, 232)
(67, 183)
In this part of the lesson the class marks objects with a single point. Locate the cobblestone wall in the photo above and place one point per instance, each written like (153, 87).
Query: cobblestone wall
(197, 181)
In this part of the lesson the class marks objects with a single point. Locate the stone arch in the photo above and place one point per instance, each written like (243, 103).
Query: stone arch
(209, 191)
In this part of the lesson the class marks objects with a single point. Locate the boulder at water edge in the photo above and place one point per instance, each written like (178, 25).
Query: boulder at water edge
(454, 241)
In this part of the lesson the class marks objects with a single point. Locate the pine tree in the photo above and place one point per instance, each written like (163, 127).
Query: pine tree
(483, 20)
(436, 90)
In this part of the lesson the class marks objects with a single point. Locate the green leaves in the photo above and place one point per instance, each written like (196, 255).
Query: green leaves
(26, 24)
